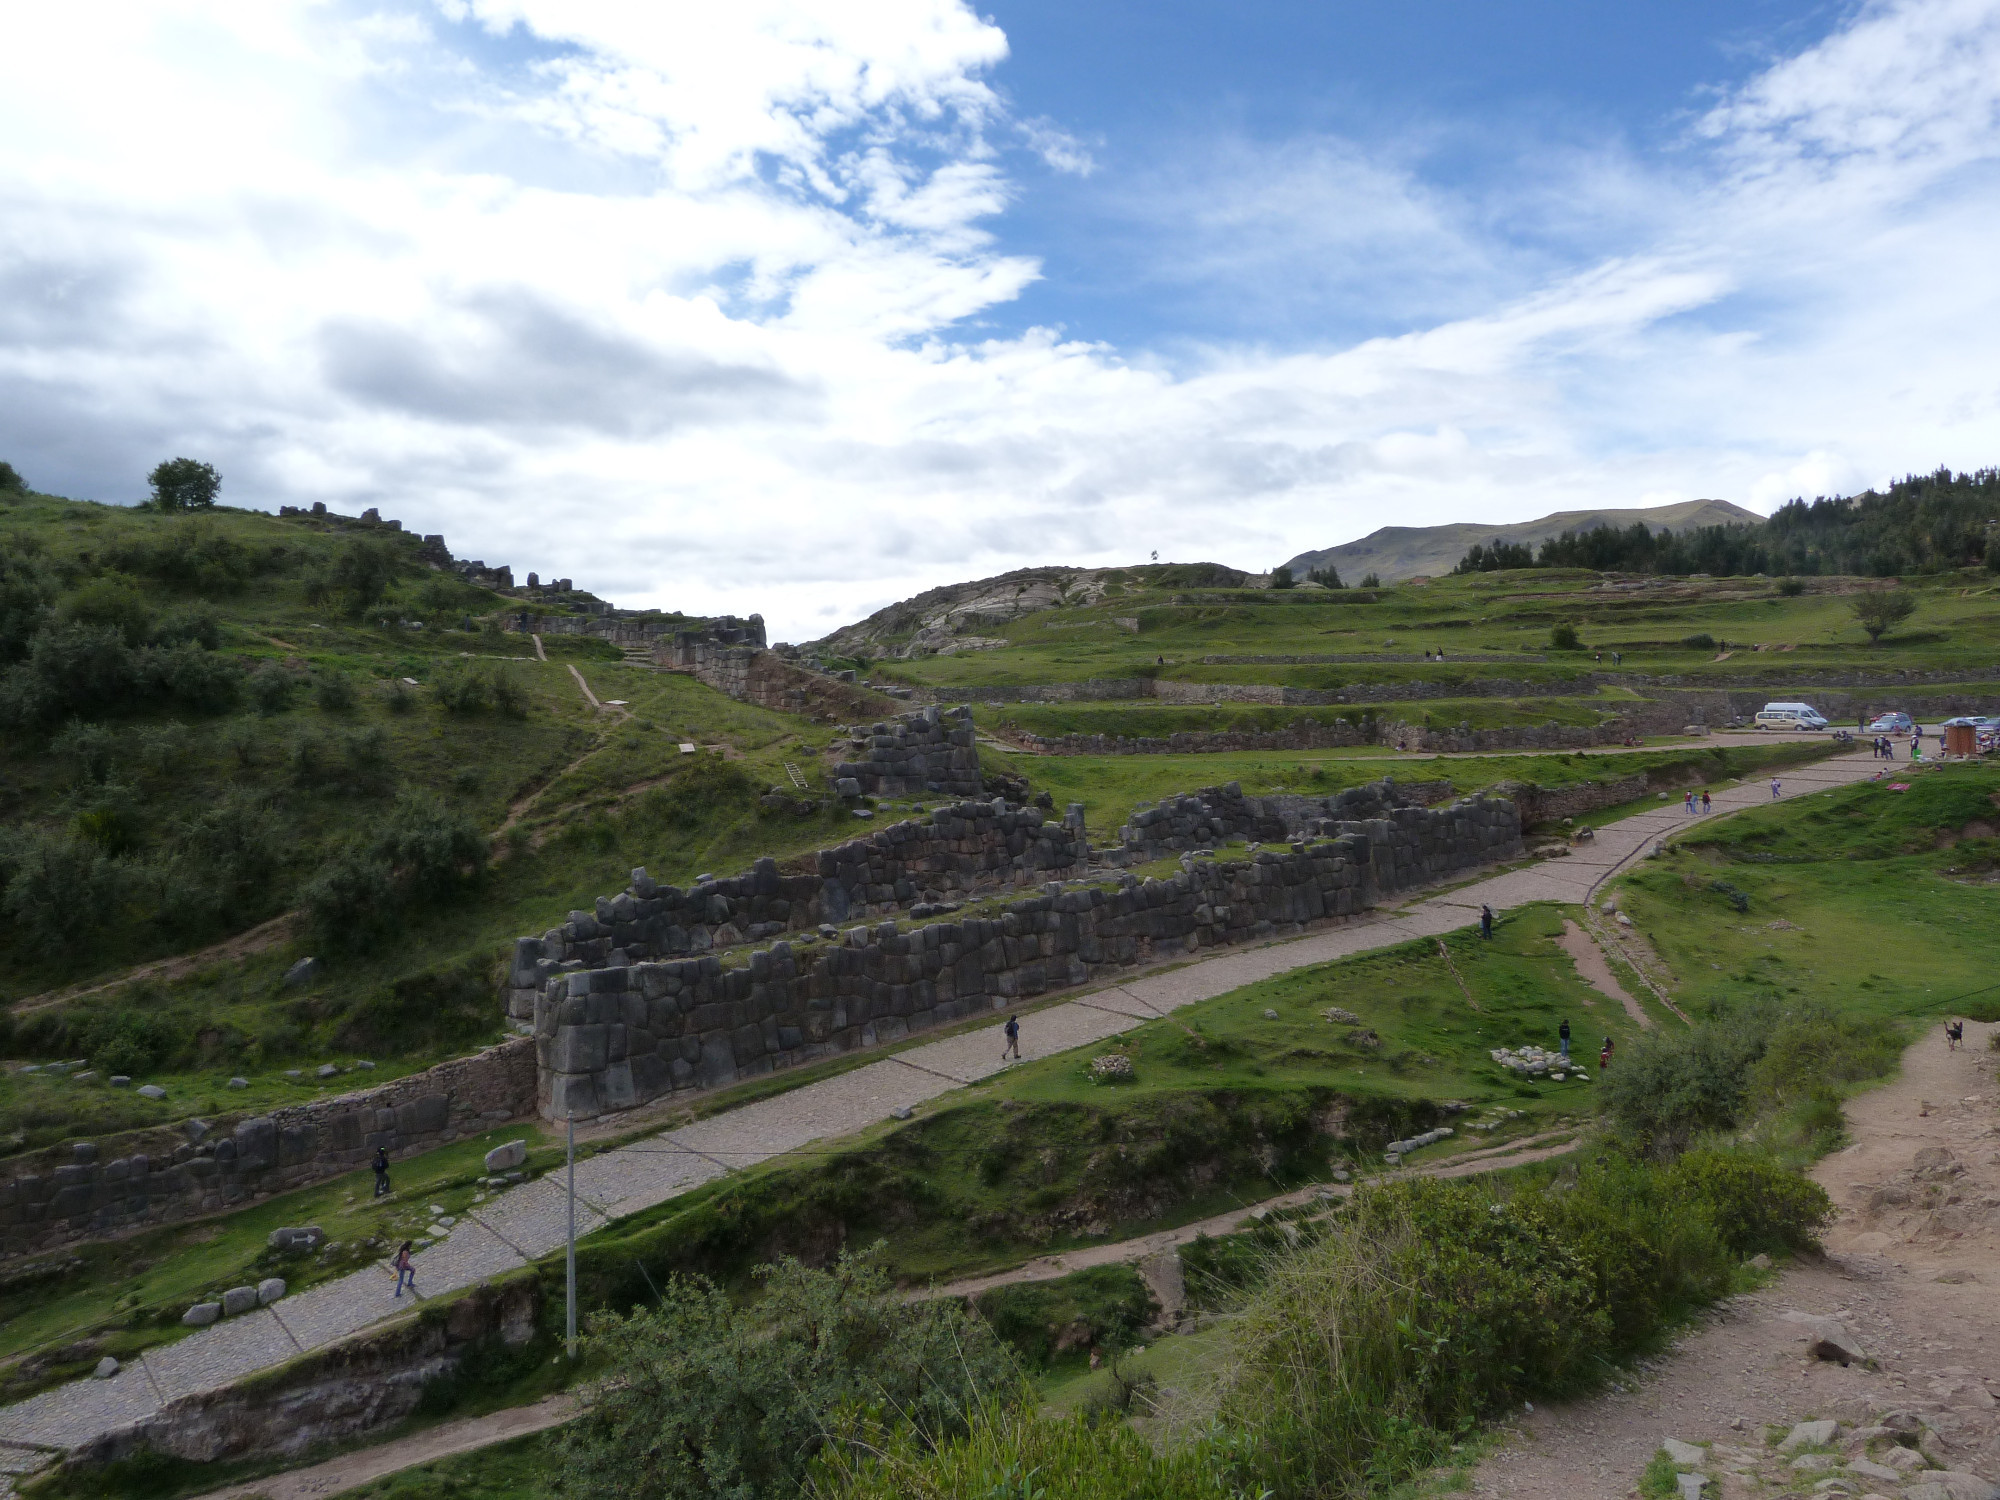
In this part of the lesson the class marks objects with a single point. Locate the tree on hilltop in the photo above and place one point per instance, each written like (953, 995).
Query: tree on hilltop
(184, 484)
(1281, 578)
(1881, 612)
(10, 478)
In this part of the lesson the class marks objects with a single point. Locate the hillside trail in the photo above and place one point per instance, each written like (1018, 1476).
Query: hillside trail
(351, 1470)
(1910, 1266)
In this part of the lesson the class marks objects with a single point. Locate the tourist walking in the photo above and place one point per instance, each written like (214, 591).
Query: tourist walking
(1013, 1047)
(1687, 803)
(1706, 805)
(406, 1274)
(1776, 787)
(381, 1171)
(1604, 1057)
(1486, 922)
(1562, 1032)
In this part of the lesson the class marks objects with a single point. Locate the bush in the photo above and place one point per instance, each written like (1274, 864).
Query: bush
(110, 599)
(350, 902)
(463, 688)
(700, 1397)
(54, 888)
(1755, 1204)
(1791, 588)
(195, 678)
(333, 692)
(26, 590)
(271, 687)
(1701, 640)
(399, 697)
(442, 1007)
(1672, 1086)
(1104, 1305)
(433, 849)
(73, 670)
(90, 749)
(1564, 638)
(190, 627)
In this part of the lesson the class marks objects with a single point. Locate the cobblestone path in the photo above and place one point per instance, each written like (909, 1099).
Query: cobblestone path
(530, 1221)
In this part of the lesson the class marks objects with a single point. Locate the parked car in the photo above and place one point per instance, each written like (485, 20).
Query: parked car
(1790, 716)
(1897, 723)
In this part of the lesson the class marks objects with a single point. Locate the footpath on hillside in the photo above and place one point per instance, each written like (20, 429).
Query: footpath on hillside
(1910, 1270)
(530, 1221)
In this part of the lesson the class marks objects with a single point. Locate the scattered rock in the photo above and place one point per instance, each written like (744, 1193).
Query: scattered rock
(901, 1112)
(88, 1075)
(151, 1091)
(269, 1290)
(328, 1070)
(121, 1080)
(1683, 1453)
(305, 971)
(297, 1238)
(202, 1314)
(365, 1063)
(1863, 1468)
(106, 1368)
(1691, 1485)
(1341, 1017)
(1808, 1435)
(238, 1299)
(239, 1083)
(500, 1158)
(195, 1130)
(1830, 1340)
(1760, 1262)
(1270, 1015)
(1814, 1463)
(295, 1072)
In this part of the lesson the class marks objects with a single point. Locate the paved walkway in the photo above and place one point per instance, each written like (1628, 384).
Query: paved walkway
(529, 1221)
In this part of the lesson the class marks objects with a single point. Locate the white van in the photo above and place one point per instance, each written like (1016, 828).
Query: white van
(1789, 716)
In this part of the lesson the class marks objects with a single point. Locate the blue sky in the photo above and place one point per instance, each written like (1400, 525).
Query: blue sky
(798, 307)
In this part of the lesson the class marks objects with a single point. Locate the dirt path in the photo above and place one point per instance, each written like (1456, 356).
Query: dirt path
(253, 940)
(1911, 1266)
(1592, 965)
(1049, 1267)
(358, 1468)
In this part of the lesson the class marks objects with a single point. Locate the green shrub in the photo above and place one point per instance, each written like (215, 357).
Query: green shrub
(56, 887)
(1108, 1306)
(1671, 1086)
(1791, 588)
(271, 687)
(90, 749)
(1562, 638)
(333, 692)
(1015, 1453)
(701, 1397)
(1701, 640)
(1754, 1203)
(1734, 895)
(110, 599)
(350, 901)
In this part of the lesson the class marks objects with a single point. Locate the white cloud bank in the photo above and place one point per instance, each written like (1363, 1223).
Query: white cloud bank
(675, 299)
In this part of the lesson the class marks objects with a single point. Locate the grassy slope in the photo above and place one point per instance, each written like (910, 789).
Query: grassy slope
(1956, 624)
(1863, 896)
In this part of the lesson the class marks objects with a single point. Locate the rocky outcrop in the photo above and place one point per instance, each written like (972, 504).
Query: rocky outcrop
(931, 751)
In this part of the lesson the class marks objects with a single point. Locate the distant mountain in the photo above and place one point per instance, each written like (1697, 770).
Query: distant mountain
(1397, 552)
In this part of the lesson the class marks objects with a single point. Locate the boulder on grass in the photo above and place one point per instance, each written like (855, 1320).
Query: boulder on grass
(238, 1299)
(500, 1158)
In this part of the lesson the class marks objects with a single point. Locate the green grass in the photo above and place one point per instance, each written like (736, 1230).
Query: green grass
(506, 1471)
(1851, 898)
(123, 1296)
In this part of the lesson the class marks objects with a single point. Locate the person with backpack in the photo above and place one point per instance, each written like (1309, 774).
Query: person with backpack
(1604, 1057)
(406, 1273)
(381, 1165)
(1486, 922)
(1776, 787)
(1013, 1047)
(1706, 804)
(1562, 1034)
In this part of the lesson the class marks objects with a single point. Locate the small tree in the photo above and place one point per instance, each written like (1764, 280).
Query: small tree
(1281, 577)
(1563, 638)
(1881, 612)
(184, 484)
(11, 480)
(1372, 581)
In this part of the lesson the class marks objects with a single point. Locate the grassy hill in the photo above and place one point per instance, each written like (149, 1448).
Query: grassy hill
(231, 740)
(1395, 553)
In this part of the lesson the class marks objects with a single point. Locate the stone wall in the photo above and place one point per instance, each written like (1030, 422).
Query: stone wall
(96, 1189)
(949, 853)
(1216, 814)
(929, 751)
(619, 1036)
(356, 1386)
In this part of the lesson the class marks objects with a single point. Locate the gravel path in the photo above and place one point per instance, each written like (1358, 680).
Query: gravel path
(529, 1221)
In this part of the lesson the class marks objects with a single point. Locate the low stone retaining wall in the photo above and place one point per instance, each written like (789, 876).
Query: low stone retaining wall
(357, 1386)
(614, 1037)
(951, 852)
(98, 1189)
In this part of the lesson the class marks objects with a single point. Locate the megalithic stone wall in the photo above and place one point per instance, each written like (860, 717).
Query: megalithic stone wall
(951, 852)
(930, 751)
(612, 1037)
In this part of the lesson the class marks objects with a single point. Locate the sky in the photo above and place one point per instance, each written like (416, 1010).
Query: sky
(799, 308)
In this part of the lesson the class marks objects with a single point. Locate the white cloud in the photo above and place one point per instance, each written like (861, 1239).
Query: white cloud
(674, 299)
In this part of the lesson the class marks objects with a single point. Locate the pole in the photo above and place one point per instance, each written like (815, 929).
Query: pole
(572, 1237)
